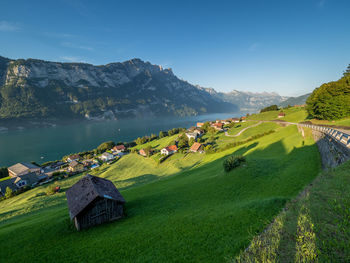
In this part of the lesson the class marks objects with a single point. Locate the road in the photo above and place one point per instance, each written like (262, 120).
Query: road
(243, 130)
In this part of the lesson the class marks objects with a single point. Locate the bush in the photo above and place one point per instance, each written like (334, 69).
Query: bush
(9, 193)
(269, 108)
(51, 189)
(232, 162)
(105, 146)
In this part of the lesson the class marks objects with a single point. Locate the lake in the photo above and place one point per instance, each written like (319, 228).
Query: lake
(52, 143)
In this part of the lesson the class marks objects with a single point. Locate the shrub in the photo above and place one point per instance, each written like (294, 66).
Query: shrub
(269, 108)
(9, 193)
(51, 189)
(105, 146)
(232, 162)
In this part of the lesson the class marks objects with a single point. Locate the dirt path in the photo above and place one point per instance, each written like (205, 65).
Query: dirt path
(243, 130)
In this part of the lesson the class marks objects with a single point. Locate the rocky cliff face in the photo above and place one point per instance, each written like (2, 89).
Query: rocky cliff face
(35, 89)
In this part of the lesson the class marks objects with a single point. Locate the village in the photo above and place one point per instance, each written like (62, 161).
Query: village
(24, 176)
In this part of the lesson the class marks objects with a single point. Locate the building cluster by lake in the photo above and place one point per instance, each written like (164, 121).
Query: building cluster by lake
(23, 176)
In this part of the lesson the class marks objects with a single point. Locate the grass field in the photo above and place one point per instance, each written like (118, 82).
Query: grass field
(185, 209)
(292, 115)
(315, 227)
(240, 126)
(343, 122)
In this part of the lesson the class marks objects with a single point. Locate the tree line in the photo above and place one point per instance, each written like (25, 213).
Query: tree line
(331, 100)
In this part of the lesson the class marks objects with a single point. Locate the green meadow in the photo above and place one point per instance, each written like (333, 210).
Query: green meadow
(186, 209)
(314, 227)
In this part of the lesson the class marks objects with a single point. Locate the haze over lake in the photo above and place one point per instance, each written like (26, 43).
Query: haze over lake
(48, 144)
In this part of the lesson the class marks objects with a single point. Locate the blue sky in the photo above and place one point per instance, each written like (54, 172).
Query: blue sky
(289, 47)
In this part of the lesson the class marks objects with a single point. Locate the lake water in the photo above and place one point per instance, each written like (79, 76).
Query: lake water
(47, 144)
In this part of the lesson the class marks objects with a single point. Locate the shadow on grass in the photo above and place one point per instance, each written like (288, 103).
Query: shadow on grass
(136, 181)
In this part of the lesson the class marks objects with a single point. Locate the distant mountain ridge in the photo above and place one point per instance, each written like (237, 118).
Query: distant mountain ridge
(35, 88)
(300, 100)
(248, 101)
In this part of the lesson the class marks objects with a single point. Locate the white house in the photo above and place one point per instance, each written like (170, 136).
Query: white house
(107, 157)
(193, 135)
(169, 150)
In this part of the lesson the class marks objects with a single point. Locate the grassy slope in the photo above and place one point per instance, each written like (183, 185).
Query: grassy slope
(240, 126)
(158, 144)
(292, 115)
(315, 227)
(343, 122)
(201, 214)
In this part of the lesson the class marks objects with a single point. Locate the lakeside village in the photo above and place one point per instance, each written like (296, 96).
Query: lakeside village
(21, 177)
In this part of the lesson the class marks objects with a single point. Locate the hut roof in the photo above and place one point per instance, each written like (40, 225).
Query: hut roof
(31, 178)
(86, 190)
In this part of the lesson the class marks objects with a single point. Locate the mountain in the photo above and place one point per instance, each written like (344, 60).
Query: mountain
(248, 101)
(300, 100)
(34, 88)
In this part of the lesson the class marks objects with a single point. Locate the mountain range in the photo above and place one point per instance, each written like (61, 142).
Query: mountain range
(38, 89)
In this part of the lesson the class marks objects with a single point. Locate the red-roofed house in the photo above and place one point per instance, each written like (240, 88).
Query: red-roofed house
(218, 126)
(169, 150)
(119, 148)
(196, 147)
(281, 114)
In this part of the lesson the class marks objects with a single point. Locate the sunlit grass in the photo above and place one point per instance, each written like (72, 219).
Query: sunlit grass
(185, 209)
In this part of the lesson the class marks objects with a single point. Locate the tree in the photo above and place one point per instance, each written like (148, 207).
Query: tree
(191, 142)
(183, 141)
(8, 192)
(269, 108)
(232, 162)
(105, 146)
(141, 140)
(161, 134)
(206, 126)
(211, 130)
(148, 151)
(347, 71)
(331, 100)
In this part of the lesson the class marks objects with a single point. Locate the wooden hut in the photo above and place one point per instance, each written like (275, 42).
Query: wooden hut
(93, 201)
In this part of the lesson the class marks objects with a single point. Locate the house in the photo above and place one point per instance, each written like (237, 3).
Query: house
(197, 147)
(93, 201)
(243, 119)
(23, 168)
(281, 114)
(73, 157)
(218, 126)
(75, 166)
(8, 183)
(30, 179)
(199, 132)
(169, 150)
(106, 156)
(235, 120)
(191, 135)
(143, 152)
(200, 124)
(119, 148)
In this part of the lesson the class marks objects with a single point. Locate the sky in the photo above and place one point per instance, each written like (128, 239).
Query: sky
(288, 47)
